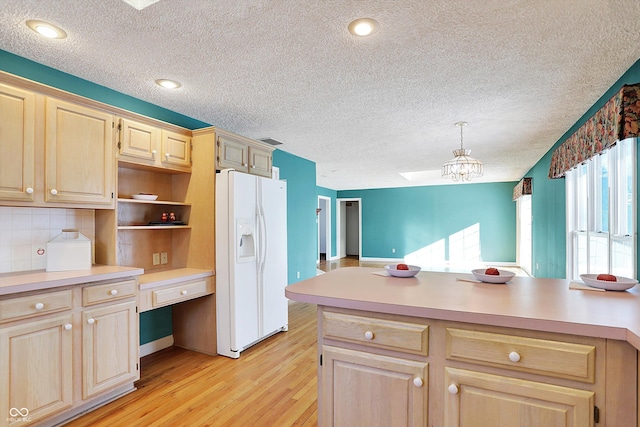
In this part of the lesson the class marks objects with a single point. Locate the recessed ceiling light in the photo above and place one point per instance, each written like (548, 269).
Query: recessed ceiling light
(168, 84)
(363, 27)
(46, 29)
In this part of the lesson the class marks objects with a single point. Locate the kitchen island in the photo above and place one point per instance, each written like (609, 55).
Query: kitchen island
(435, 350)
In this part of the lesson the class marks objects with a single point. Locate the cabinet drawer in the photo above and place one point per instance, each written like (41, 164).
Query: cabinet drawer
(539, 356)
(34, 305)
(178, 293)
(390, 334)
(108, 292)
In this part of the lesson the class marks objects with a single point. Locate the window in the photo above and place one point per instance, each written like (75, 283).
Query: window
(601, 213)
(524, 234)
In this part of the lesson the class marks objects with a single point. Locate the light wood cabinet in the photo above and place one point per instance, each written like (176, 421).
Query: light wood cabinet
(374, 371)
(17, 143)
(149, 145)
(79, 167)
(476, 399)
(363, 388)
(242, 154)
(36, 367)
(436, 372)
(109, 347)
(66, 350)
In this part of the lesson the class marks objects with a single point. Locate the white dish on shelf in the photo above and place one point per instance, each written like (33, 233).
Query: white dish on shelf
(501, 278)
(144, 196)
(393, 271)
(622, 284)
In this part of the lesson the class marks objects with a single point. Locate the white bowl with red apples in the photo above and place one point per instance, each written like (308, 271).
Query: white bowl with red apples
(402, 270)
(608, 282)
(493, 275)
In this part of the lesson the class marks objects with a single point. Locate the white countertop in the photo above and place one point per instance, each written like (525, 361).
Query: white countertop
(526, 303)
(11, 283)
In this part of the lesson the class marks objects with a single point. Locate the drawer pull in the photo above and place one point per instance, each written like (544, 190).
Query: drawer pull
(417, 381)
(53, 191)
(514, 356)
(113, 292)
(29, 190)
(368, 335)
(68, 326)
(39, 306)
(453, 389)
(184, 292)
(91, 320)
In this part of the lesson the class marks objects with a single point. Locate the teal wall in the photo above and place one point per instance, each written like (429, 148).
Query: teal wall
(302, 233)
(333, 195)
(548, 199)
(411, 218)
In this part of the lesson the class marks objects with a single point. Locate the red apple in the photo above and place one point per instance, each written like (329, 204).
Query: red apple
(402, 267)
(492, 271)
(607, 277)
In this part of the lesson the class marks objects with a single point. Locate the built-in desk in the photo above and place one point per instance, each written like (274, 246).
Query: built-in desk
(190, 292)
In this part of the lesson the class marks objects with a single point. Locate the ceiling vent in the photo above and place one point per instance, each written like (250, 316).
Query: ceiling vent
(270, 141)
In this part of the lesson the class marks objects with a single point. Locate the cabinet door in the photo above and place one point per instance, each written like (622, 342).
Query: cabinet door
(176, 150)
(138, 142)
(36, 369)
(260, 162)
(476, 399)
(365, 389)
(79, 155)
(232, 154)
(109, 347)
(17, 129)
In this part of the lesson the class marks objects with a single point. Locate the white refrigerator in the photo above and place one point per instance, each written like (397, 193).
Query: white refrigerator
(251, 260)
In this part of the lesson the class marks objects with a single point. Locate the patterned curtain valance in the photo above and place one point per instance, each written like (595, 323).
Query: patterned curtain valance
(524, 187)
(615, 121)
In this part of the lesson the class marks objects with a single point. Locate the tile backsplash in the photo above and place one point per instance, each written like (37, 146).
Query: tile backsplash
(24, 233)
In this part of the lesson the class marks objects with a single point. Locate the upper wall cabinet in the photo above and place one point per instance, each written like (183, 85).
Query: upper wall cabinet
(243, 154)
(146, 144)
(80, 165)
(17, 129)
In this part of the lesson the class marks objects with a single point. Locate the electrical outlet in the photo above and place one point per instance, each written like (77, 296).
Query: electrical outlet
(156, 259)
(164, 259)
(393, 250)
(298, 275)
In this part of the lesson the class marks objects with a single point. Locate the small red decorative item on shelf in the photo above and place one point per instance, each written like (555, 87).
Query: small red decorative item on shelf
(165, 216)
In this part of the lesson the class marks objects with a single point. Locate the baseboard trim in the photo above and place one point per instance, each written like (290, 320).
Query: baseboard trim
(157, 345)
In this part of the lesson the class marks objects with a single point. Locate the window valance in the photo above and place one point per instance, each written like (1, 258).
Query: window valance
(615, 121)
(524, 187)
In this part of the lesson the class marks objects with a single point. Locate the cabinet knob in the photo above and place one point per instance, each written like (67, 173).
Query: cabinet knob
(53, 191)
(29, 190)
(453, 389)
(368, 335)
(68, 327)
(417, 381)
(39, 306)
(154, 152)
(244, 165)
(91, 320)
(113, 292)
(166, 156)
(514, 356)
(183, 292)
(253, 166)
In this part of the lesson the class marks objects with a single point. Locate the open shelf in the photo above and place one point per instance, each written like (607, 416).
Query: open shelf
(153, 202)
(152, 227)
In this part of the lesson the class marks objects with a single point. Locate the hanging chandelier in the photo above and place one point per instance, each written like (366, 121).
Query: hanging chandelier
(462, 167)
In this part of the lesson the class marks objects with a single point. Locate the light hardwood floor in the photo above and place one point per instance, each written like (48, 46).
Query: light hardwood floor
(273, 383)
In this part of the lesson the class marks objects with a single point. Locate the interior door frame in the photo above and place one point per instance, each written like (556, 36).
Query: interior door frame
(327, 227)
(341, 223)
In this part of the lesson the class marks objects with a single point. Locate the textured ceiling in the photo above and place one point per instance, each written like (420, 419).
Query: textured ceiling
(520, 72)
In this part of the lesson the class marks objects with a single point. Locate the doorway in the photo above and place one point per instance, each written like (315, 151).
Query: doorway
(323, 219)
(349, 227)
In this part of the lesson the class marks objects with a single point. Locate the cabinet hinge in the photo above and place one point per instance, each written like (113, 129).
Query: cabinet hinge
(137, 367)
(112, 195)
(596, 414)
(119, 145)
(320, 359)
